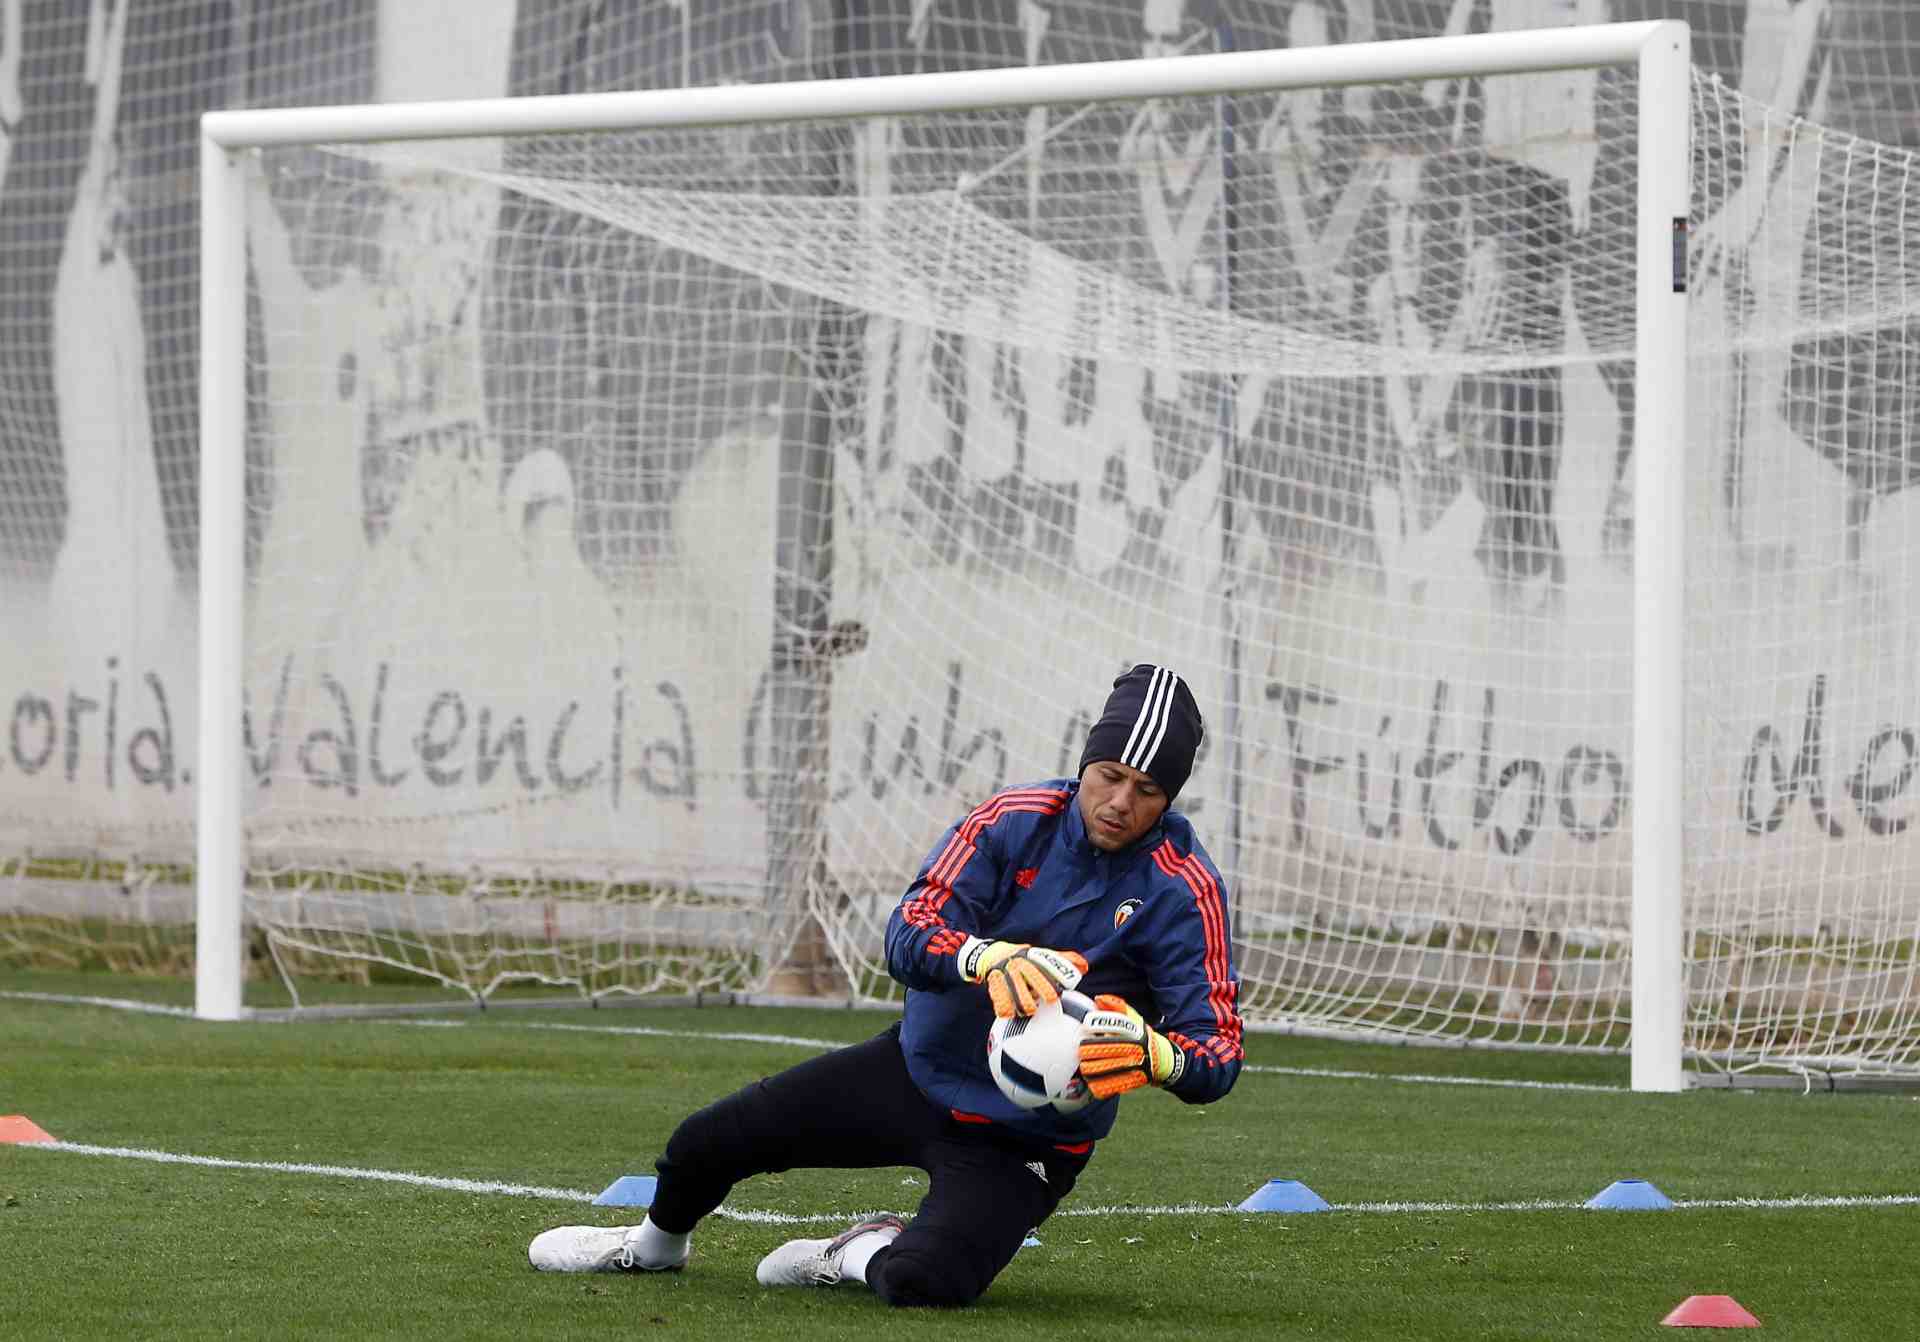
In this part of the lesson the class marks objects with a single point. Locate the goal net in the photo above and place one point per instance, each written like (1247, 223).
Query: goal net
(655, 538)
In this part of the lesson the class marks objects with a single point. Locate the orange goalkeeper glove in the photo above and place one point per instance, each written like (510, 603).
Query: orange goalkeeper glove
(1120, 1052)
(1020, 978)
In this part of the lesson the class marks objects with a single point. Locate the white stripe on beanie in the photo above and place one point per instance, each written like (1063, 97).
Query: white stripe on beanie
(1150, 727)
(1141, 719)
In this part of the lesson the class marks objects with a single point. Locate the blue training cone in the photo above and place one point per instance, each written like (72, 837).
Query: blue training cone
(1284, 1195)
(629, 1190)
(1630, 1195)
(1030, 1242)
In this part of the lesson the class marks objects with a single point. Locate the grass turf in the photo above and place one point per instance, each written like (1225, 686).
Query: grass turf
(96, 1246)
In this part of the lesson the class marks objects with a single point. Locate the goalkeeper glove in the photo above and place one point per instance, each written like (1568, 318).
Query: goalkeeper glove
(1020, 978)
(1120, 1052)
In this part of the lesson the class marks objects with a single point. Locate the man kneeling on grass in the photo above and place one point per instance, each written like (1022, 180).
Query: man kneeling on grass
(1099, 863)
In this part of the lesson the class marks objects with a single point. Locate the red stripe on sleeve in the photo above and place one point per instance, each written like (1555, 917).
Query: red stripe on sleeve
(1221, 990)
(923, 910)
(946, 942)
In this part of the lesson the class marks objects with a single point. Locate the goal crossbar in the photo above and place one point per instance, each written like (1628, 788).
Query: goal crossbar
(1591, 46)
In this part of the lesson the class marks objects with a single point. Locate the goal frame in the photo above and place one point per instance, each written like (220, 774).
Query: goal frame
(1660, 50)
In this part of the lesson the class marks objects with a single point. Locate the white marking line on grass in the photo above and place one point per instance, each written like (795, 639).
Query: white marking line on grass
(1679, 1204)
(1428, 1079)
(789, 1218)
(330, 1171)
(802, 1041)
(117, 1003)
(1807, 1200)
(737, 1036)
(1411, 1078)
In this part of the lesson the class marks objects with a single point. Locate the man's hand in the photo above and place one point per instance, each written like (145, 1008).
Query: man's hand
(1020, 978)
(1120, 1052)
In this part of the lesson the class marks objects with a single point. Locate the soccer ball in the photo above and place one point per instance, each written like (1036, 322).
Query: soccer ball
(1035, 1060)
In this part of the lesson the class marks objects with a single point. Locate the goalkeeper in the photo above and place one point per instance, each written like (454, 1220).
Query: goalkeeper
(1092, 883)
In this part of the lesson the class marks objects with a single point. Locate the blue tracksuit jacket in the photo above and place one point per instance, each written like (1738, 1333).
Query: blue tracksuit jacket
(1151, 920)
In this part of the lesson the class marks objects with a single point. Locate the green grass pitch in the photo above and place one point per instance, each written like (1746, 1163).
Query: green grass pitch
(1438, 1229)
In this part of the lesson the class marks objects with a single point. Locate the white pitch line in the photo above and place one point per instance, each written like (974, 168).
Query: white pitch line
(736, 1036)
(803, 1041)
(117, 1003)
(495, 1187)
(1430, 1079)
(328, 1171)
(1806, 1200)
(1269, 1069)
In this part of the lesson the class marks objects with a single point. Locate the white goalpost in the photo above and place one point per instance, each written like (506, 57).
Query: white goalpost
(1005, 408)
(634, 525)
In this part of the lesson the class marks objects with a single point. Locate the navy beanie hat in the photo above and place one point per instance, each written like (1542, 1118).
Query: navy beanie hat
(1151, 723)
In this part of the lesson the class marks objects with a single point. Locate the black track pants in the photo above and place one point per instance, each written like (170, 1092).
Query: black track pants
(856, 1108)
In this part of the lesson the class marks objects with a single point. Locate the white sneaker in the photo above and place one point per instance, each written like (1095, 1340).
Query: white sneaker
(595, 1249)
(817, 1262)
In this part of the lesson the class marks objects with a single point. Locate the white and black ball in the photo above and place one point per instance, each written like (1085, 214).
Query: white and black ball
(1035, 1060)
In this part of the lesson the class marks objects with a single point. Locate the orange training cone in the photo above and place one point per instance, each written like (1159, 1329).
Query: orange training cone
(1710, 1311)
(20, 1128)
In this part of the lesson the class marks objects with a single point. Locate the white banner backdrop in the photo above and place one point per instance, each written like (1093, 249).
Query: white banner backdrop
(438, 668)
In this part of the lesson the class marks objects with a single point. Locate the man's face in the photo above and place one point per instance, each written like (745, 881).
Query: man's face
(1119, 804)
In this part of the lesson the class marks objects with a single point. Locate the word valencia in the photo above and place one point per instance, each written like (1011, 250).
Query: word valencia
(124, 730)
(457, 744)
